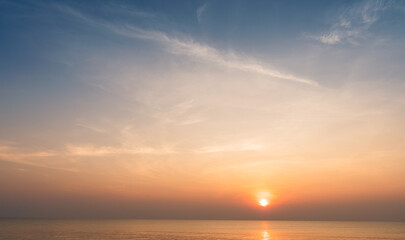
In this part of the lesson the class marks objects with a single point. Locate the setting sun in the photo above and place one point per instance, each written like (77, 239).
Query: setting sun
(263, 202)
(263, 198)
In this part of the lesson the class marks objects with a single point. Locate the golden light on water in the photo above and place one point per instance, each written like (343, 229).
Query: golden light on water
(265, 235)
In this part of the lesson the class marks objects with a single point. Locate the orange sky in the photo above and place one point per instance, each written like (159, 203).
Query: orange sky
(135, 116)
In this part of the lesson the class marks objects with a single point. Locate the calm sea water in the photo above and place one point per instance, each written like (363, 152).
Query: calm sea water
(199, 230)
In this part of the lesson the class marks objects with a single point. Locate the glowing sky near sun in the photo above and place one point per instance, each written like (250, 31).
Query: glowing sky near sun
(202, 109)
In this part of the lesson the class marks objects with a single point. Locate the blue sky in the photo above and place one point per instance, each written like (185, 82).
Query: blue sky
(215, 92)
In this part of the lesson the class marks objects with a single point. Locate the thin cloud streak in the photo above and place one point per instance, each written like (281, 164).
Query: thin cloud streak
(246, 146)
(190, 48)
(90, 150)
(200, 12)
(11, 154)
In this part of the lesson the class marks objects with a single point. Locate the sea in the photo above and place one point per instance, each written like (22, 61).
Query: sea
(198, 230)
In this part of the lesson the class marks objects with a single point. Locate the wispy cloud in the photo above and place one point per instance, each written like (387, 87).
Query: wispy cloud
(183, 113)
(238, 147)
(186, 46)
(191, 48)
(128, 10)
(10, 153)
(90, 127)
(353, 24)
(330, 38)
(200, 12)
(97, 151)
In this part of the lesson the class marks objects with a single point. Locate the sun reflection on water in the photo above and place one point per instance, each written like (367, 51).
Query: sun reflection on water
(265, 235)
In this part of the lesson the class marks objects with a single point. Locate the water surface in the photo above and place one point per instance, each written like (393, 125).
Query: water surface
(198, 230)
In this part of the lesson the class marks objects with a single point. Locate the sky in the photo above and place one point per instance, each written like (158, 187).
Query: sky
(200, 109)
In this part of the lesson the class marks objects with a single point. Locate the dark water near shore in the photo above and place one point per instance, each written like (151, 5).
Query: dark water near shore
(196, 229)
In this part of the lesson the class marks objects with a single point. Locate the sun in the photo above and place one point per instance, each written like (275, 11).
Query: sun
(263, 202)
(263, 198)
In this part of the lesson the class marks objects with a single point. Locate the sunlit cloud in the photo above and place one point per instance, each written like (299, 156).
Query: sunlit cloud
(91, 150)
(10, 153)
(240, 147)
